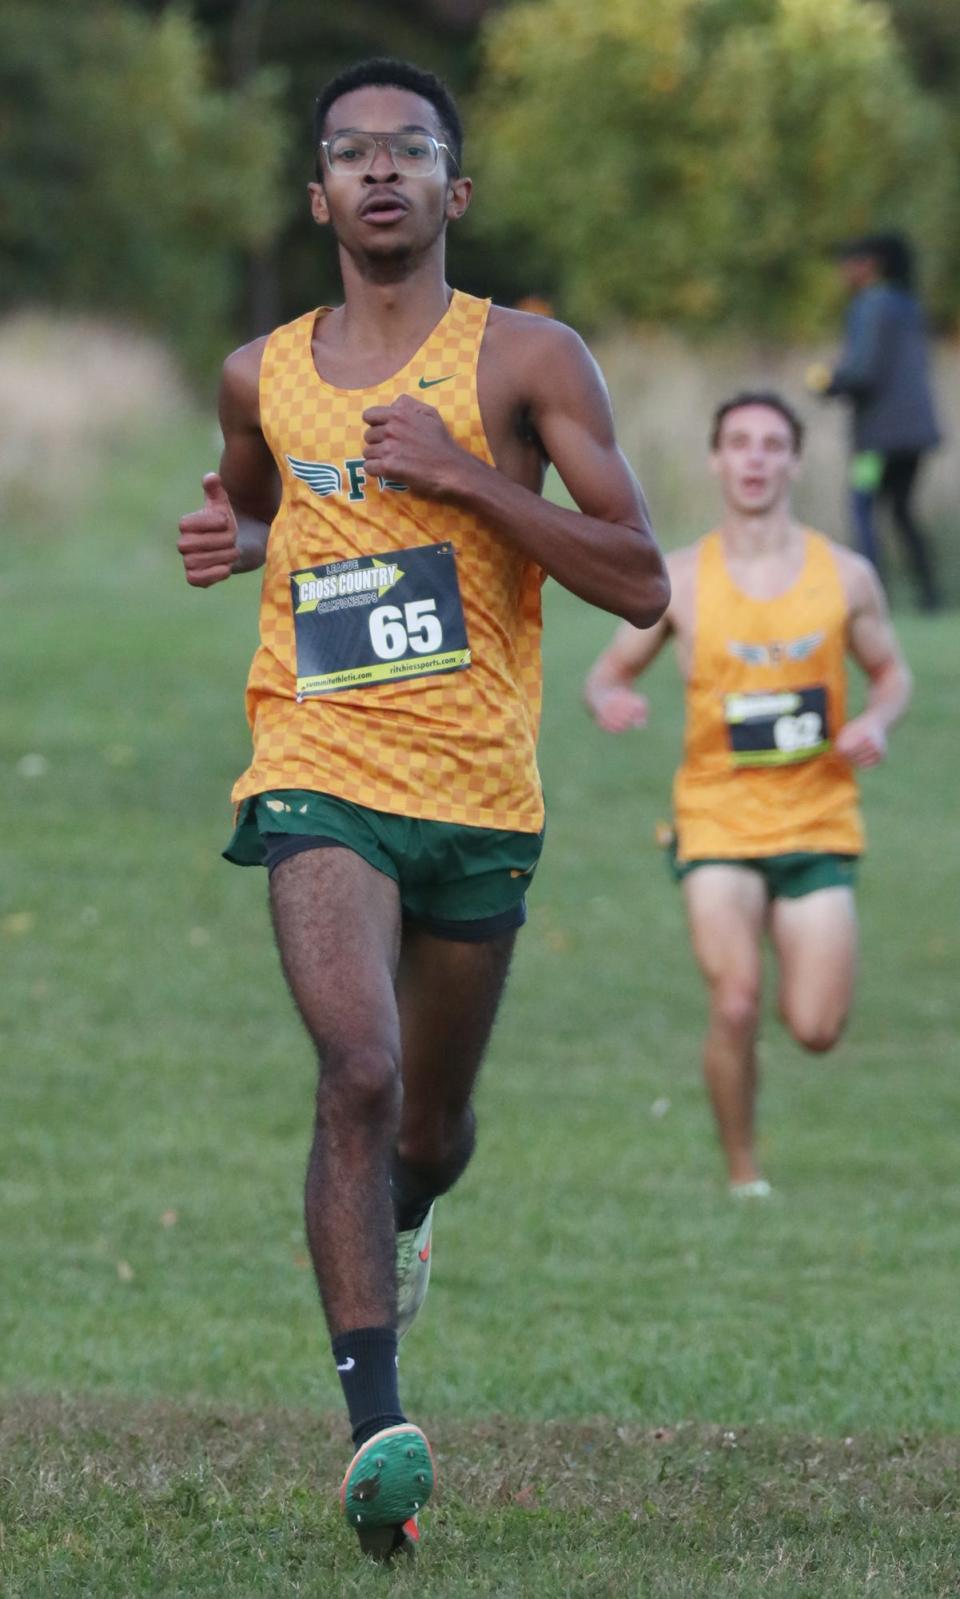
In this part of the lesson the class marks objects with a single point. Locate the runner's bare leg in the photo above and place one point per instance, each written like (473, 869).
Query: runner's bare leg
(726, 908)
(448, 993)
(337, 924)
(816, 942)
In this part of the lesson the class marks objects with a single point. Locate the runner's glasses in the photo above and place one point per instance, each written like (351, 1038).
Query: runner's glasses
(416, 155)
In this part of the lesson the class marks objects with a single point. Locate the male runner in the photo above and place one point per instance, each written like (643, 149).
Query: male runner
(763, 612)
(394, 449)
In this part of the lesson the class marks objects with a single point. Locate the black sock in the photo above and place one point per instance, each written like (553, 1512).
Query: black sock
(411, 1198)
(367, 1363)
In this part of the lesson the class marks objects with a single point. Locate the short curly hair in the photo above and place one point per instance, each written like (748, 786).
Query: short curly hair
(385, 72)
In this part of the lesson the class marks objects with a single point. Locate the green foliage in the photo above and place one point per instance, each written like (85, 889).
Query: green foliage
(930, 35)
(680, 159)
(691, 160)
(129, 183)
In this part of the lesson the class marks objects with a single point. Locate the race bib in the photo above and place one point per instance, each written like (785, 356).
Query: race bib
(377, 619)
(777, 729)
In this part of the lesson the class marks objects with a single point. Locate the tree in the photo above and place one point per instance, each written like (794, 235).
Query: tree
(691, 160)
(129, 183)
(931, 40)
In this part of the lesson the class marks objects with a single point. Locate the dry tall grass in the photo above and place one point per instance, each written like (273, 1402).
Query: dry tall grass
(71, 389)
(665, 390)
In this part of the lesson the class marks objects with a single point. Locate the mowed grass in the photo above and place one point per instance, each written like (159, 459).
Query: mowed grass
(634, 1386)
(116, 1500)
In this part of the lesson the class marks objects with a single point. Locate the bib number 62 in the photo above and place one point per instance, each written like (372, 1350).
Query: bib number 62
(417, 627)
(794, 733)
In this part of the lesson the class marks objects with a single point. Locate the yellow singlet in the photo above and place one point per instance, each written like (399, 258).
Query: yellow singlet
(765, 699)
(399, 659)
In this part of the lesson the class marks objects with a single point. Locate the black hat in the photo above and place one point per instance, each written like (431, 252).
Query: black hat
(891, 252)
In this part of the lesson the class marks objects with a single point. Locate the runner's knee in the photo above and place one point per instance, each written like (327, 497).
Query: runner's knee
(735, 1004)
(361, 1080)
(814, 1032)
(437, 1139)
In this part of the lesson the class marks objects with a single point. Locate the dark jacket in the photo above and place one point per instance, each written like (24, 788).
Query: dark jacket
(884, 372)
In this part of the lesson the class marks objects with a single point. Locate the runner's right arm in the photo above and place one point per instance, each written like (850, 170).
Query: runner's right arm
(230, 533)
(608, 689)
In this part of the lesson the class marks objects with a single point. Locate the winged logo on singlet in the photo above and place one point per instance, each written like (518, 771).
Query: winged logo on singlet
(752, 654)
(796, 649)
(320, 477)
(324, 478)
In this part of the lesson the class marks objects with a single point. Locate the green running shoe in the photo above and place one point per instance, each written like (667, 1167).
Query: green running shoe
(413, 1271)
(389, 1480)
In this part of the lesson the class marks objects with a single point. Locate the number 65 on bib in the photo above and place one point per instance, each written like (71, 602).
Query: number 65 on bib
(377, 619)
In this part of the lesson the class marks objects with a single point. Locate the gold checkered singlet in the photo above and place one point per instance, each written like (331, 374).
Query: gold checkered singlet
(456, 746)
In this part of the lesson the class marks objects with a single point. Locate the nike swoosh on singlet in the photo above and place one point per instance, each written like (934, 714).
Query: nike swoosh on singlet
(431, 383)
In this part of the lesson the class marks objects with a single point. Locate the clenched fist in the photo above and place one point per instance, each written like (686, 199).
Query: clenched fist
(862, 741)
(618, 709)
(408, 442)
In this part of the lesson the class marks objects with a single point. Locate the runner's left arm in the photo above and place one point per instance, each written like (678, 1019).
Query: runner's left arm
(606, 552)
(874, 646)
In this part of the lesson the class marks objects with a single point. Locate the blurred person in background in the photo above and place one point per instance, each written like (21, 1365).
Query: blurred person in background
(384, 461)
(767, 830)
(883, 373)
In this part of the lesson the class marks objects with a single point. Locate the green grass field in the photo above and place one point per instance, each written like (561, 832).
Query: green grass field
(634, 1386)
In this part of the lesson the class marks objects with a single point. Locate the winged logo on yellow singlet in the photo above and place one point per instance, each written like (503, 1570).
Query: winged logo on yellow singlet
(321, 478)
(796, 649)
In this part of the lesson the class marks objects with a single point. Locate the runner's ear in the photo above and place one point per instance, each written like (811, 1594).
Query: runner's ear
(459, 191)
(319, 209)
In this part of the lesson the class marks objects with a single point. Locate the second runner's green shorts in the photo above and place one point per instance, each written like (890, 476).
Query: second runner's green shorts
(457, 882)
(785, 876)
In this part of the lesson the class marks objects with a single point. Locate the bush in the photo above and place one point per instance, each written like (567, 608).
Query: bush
(129, 183)
(690, 160)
